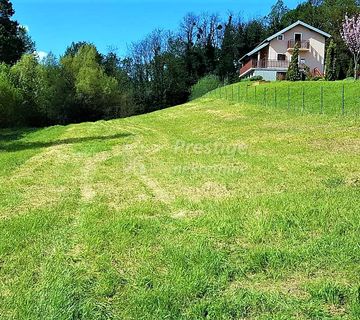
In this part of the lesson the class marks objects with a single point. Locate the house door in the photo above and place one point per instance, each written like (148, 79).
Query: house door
(298, 37)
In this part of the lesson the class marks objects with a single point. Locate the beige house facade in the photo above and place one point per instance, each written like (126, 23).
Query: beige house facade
(271, 58)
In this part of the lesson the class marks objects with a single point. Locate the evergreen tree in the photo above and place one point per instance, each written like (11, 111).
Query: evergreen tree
(13, 42)
(330, 64)
(293, 73)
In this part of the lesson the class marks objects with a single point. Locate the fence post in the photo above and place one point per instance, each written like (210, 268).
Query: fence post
(232, 92)
(275, 97)
(321, 100)
(303, 100)
(343, 100)
(238, 93)
(247, 89)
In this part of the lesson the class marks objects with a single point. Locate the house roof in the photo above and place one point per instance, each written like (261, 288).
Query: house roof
(297, 23)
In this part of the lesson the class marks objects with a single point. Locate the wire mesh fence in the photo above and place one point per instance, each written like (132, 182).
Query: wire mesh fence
(333, 98)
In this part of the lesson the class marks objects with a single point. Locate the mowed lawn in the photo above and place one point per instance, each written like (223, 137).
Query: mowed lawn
(210, 210)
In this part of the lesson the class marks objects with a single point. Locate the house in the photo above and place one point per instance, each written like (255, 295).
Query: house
(271, 58)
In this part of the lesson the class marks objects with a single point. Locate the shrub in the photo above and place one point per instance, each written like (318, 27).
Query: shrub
(204, 86)
(256, 78)
(317, 78)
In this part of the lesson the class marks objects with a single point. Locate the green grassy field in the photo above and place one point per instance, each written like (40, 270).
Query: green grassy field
(309, 97)
(210, 210)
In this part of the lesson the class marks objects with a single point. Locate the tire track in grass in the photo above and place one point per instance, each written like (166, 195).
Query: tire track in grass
(38, 182)
(137, 156)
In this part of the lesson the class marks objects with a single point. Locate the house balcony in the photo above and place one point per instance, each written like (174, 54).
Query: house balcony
(263, 64)
(303, 45)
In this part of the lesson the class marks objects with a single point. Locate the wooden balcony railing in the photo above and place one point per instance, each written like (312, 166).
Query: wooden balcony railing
(271, 64)
(247, 66)
(263, 64)
(302, 44)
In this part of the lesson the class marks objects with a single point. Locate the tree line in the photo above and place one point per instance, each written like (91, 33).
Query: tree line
(158, 71)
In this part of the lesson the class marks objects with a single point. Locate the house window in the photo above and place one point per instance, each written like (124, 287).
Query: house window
(281, 57)
(303, 61)
(280, 37)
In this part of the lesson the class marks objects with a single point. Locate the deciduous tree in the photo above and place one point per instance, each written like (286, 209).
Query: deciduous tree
(351, 35)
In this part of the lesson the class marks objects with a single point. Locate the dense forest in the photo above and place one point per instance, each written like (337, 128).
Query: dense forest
(159, 71)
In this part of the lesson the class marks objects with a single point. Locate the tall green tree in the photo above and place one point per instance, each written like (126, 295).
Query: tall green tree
(95, 93)
(330, 63)
(13, 39)
(227, 59)
(10, 99)
(293, 73)
(275, 18)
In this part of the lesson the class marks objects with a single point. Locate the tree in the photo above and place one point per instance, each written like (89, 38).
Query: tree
(350, 72)
(351, 35)
(226, 68)
(94, 93)
(26, 76)
(293, 73)
(14, 41)
(275, 18)
(188, 33)
(10, 99)
(330, 63)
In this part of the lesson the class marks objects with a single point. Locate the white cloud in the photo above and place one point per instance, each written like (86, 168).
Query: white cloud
(41, 54)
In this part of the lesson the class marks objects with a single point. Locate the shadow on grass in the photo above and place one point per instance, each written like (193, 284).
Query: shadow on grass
(8, 144)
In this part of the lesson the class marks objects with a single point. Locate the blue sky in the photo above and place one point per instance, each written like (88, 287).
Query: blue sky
(54, 24)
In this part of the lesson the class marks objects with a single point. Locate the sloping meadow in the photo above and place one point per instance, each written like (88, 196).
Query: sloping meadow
(210, 210)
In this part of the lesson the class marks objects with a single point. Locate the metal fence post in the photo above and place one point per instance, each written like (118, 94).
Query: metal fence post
(238, 95)
(247, 89)
(275, 97)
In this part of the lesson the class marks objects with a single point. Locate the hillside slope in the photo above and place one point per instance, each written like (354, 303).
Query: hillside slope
(208, 210)
(303, 97)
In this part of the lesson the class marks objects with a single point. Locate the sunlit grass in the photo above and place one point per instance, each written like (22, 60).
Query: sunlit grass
(309, 97)
(212, 209)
